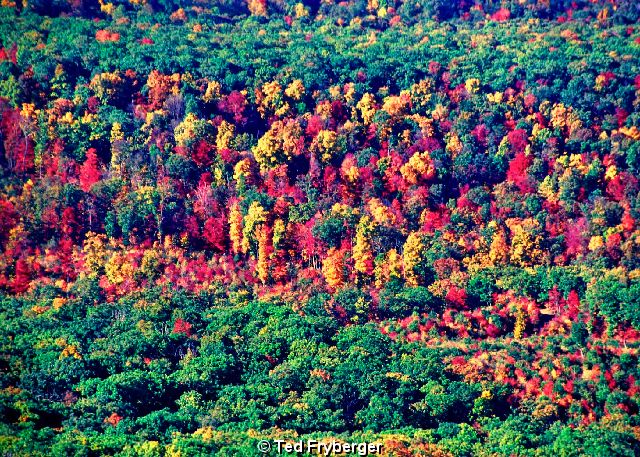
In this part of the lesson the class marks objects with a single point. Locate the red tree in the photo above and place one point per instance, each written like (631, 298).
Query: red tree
(215, 232)
(89, 171)
(22, 277)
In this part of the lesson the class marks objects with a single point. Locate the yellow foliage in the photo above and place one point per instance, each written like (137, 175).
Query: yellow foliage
(269, 99)
(350, 170)
(525, 245)
(106, 85)
(278, 145)
(242, 170)
(412, 257)
(562, 117)
(189, 130)
(116, 132)
(150, 262)
(486, 395)
(279, 230)
(262, 265)
(95, 253)
(367, 107)
(419, 167)
(397, 105)
(454, 145)
(295, 90)
(472, 85)
(224, 135)
(518, 330)
(611, 172)
(212, 92)
(257, 7)
(390, 267)
(631, 132)
(548, 189)
(381, 214)
(333, 268)
(362, 248)
(107, 8)
(235, 228)
(349, 92)
(595, 243)
(301, 10)
(256, 216)
(425, 124)
(342, 210)
(421, 92)
(70, 351)
(499, 250)
(118, 269)
(325, 144)
(496, 97)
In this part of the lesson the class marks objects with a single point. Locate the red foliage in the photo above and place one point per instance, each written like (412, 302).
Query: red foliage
(314, 125)
(215, 232)
(501, 15)
(68, 222)
(234, 104)
(616, 188)
(18, 149)
(628, 222)
(492, 331)
(10, 55)
(113, 419)
(518, 140)
(182, 326)
(202, 153)
(89, 171)
(22, 276)
(480, 132)
(517, 172)
(8, 219)
(456, 297)
(105, 36)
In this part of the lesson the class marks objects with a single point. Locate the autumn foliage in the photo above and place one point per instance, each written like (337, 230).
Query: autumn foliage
(406, 222)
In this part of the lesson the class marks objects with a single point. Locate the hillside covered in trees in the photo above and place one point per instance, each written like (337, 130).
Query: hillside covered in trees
(408, 222)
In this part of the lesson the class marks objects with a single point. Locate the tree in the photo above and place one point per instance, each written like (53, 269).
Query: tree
(412, 257)
(235, 228)
(333, 268)
(215, 232)
(89, 172)
(362, 254)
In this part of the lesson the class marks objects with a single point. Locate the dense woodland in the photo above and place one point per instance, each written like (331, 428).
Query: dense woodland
(409, 222)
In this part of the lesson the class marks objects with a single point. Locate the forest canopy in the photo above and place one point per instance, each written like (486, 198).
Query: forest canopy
(404, 222)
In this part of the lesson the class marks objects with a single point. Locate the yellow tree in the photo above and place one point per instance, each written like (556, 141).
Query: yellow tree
(333, 268)
(256, 216)
(235, 228)
(224, 135)
(419, 168)
(279, 144)
(387, 268)
(525, 242)
(325, 145)
(95, 252)
(367, 108)
(263, 236)
(499, 249)
(412, 257)
(362, 248)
